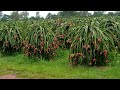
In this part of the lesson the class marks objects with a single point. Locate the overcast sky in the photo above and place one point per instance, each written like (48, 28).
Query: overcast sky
(42, 13)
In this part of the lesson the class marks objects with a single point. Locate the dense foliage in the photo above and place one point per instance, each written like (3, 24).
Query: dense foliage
(89, 39)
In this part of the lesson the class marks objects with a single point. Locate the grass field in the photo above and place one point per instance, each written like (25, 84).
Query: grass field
(59, 68)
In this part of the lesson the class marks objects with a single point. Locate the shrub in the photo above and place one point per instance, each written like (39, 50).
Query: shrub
(92, 46)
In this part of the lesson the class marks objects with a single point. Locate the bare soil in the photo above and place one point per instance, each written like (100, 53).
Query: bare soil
(10, 76)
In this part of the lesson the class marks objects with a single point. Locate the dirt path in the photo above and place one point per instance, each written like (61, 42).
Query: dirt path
(10, 76)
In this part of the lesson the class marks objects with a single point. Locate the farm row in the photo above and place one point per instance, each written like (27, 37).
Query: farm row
(89, 40)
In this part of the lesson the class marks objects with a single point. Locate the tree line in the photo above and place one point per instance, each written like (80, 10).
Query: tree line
(82, 14)
(15, 15)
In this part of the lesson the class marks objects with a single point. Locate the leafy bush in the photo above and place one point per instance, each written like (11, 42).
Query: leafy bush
(93, 45)
(10, 39)
(40, 43)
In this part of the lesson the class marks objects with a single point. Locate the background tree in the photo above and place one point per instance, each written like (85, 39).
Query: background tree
(84, 13)
(111, 13)
(0, 14)
(117, 13)
(15, 15)
(24, 15)
(98, 13)
(51, 16)
(32, 18)
(37, 15)
(67, 13)
(5, 17)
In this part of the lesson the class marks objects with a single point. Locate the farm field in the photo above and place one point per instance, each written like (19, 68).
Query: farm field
(75, 48)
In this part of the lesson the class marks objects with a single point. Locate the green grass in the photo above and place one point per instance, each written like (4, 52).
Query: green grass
(59, 68)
